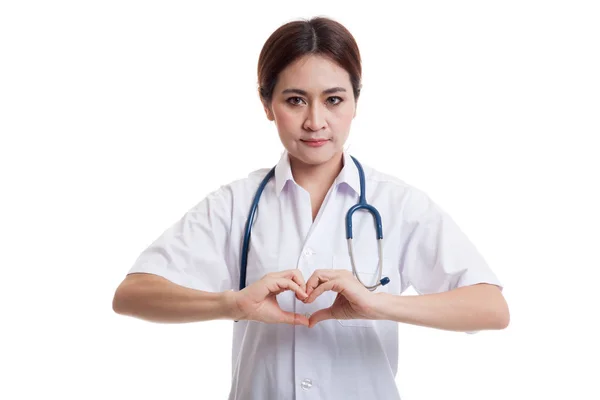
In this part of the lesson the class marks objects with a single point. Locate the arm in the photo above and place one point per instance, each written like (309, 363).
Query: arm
(468, 308)
(156, 299)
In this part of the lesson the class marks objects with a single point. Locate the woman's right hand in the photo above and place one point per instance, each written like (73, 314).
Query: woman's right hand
(257, 302)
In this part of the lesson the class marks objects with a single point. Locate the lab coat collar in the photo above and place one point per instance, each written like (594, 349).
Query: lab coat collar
(348, 174)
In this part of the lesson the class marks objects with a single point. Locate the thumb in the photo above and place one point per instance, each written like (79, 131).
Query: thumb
(319, 316)
(293, 319)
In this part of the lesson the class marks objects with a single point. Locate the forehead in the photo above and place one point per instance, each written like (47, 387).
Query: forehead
(313, 72)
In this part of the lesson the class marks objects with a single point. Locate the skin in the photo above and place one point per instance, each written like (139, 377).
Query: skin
(313, 114)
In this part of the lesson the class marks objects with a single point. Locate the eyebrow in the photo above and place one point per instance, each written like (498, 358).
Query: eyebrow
(303, 93)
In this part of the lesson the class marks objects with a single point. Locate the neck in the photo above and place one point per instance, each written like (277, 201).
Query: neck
(317, 177)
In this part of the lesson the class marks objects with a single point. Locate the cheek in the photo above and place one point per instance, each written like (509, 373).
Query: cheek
(342, 119)
(287, 122)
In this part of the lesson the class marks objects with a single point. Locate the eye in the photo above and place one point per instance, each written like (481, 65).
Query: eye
(338, 100)
(294, 100)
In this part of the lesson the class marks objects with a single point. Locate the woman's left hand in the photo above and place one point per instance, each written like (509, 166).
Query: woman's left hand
(353, 300)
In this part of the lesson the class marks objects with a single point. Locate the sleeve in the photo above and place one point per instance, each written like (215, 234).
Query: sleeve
(194, 251)
(438, 256)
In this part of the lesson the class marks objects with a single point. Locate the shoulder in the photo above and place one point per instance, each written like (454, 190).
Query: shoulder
(248, 184)
(237, 190)
(414, 202)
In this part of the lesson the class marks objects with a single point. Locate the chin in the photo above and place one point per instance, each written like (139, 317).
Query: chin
(314, 156)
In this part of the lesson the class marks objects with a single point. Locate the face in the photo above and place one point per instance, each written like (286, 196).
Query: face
(313, 106)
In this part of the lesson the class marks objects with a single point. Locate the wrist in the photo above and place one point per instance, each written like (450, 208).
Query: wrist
(380, 306)
(231, 309)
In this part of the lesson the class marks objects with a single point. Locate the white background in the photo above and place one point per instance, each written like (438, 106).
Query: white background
(118, 116)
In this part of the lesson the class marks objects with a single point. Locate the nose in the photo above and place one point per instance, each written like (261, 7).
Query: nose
(315, 120)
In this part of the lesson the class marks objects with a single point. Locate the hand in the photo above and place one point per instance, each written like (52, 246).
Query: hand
(257, 302)
(353, 300)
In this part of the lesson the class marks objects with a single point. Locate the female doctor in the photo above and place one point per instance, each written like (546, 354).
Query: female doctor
(316, 312)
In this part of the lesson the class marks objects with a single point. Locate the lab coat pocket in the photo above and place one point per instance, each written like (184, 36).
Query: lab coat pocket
(367, 268)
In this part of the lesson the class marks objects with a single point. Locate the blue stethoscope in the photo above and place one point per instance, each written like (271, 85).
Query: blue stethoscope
(362, 204)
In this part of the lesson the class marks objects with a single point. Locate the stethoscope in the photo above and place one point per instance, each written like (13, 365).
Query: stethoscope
(362, 204)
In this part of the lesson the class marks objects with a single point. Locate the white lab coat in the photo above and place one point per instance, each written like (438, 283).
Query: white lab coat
(351, 359)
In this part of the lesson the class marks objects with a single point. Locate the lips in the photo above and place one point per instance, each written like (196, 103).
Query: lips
(315, 142)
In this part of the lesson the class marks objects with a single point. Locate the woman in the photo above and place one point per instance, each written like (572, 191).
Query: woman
(306, 325)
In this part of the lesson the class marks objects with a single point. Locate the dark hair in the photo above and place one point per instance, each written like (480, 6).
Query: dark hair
(319, 36)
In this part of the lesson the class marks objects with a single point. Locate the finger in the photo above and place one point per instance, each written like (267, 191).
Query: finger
(299, 279)
(335, 285)
(313, 283)
(278, 285)
(319, 316)
(293, 274)
(294, 319)
(318, 277)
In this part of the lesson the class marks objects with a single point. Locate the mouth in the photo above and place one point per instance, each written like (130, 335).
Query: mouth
(315, 142)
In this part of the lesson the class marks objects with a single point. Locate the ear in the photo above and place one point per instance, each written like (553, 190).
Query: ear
(268, 112)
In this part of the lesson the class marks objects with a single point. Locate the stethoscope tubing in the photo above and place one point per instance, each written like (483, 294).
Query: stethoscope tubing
(361, 205)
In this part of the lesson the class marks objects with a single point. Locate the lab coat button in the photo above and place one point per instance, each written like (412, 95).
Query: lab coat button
(306, 384)
(308, 252)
